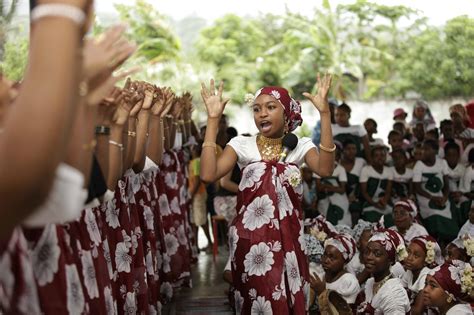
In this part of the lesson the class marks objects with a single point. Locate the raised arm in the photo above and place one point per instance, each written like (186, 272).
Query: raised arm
(30, 153)
(322, 163)
(142, 130)
(211, 168)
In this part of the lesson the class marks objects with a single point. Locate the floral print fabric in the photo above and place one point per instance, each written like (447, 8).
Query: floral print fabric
(266, 242)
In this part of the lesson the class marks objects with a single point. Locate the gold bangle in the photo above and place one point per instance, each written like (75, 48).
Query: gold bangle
(187, 121)
(326, 149)
(209, 144)
(181, 122)
(132, 134)
(89, 146)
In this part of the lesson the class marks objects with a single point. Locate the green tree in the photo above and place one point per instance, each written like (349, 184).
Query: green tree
(15, 58)
(148, 28)
(6, 16)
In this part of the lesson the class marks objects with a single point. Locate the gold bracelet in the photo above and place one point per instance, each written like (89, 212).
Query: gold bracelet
(209, 144)
(326, 149)
(188, 121)
(132, 134)
(89, 146)
(181, 122)
(119, 145)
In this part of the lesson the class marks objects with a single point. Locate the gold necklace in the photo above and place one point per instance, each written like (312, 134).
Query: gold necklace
(378, 285)
(270, 148)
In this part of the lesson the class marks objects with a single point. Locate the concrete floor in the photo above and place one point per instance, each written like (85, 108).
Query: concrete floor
(208, 288)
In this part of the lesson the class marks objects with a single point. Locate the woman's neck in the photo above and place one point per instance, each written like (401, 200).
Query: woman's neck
(380, 276)
(331, 277)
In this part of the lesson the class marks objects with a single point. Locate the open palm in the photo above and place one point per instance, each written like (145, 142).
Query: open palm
(320, 100)
(214, 103)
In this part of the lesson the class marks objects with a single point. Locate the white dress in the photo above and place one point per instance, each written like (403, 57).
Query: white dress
(347, 286)
(390, 299)
(460, 309)
(467, 228)
(413, 231)
(467, 182)
(355, 266)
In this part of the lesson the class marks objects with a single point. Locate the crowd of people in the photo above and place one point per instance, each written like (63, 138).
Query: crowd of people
(104, 192)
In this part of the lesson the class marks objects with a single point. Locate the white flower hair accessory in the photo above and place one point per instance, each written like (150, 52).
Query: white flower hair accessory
(275, 94)
(320, 235)
(430, 252)
(466, 279)
(401, 252)
(468, 242)
(249, 99)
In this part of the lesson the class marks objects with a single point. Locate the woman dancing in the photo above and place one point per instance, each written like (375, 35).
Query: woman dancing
(269, 268)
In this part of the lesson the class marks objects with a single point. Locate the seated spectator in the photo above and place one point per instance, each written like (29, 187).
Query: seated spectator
(430, 180)
(402, 186)
(343, 130)
(376, 187)
(370, 126)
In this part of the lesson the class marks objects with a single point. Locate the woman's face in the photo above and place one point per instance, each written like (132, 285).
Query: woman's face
(419, 113)
(332, 260)
(342, 117)
(433, 293)
(416, 257)
(376, 258)
(401, 218)
(269, 116)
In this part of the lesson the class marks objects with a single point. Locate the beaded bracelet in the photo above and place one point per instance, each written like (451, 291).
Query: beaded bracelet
(116, 144)
(102, 130)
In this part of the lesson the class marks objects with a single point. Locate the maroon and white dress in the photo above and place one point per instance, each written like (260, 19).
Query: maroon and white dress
(267, 248)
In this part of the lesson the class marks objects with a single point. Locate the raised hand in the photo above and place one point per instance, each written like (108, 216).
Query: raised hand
(149, 96)
(320, 100)
(214, 103)
(106, 53)
(169, 101)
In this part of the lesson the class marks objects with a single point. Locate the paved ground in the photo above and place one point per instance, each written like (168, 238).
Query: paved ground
(208, 295)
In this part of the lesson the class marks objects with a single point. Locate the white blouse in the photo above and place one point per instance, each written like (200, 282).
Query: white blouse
(347, 286)
(460, 309)
(65, 201)
(247, 150)
(390, 299)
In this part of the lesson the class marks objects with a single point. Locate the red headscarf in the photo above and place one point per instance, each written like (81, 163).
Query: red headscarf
(393, 243)
(452, 277)
(291, 107)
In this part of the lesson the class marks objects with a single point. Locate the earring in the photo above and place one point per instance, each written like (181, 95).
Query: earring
(449, 299)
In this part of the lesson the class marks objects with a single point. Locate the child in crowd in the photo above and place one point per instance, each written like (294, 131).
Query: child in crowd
(422, 114)
(343, 130)
(361, 232)
(353, 166)
(376, 187)
(402, 187)
(416, 155)
(310, 196)
(468, 227)
(404, 217)
(456, 171)
(383, 293)
(456, 251)
(405, 132)
(332, 201)
(447, 132)
(395, 140)
(432, 190)
(446, 285)
(370, 126)
(424, 253)
(338, 251)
